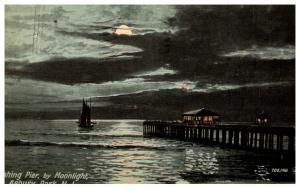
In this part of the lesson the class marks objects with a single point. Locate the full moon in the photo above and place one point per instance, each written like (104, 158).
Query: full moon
(123, 30)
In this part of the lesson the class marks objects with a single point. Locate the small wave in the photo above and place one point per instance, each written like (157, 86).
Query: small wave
(83, 134)
(85, 145)
(111, 136)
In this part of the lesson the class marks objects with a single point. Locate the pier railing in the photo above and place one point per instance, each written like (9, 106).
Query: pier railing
(238, 136)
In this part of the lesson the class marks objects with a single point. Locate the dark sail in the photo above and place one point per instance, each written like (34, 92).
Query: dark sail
(85, 117)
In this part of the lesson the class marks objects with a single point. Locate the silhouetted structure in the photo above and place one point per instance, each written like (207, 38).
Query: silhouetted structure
(252, 137)
(201, 117)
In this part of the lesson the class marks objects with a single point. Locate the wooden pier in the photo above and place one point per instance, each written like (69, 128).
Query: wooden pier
(238, 136)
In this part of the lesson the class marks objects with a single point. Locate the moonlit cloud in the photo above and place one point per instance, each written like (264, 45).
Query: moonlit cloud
(56, 45)
(157, 72)
(68, 48)
(49, 92)
(267, 53)
(52, 43)
(208, 88)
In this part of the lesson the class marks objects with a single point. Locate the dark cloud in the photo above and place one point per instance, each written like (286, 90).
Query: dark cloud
(205, 32)
(236, 25)
(74, 71)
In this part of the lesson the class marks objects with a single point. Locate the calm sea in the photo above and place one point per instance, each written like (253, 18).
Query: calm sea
(115, 151)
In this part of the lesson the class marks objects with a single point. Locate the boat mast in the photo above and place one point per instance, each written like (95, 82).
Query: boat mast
(90, 109)
(91, 103)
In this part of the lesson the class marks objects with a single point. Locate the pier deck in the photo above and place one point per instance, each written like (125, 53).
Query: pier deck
(238, 136)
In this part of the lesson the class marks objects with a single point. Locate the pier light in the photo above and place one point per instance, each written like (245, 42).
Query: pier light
(263, 119)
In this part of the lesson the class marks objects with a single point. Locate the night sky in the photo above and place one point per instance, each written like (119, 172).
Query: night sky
(234, 60)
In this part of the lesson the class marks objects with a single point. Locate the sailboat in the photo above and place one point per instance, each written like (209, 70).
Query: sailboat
(85, 117)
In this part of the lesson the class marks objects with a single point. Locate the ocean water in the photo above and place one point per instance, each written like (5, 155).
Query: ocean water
(115, 151)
